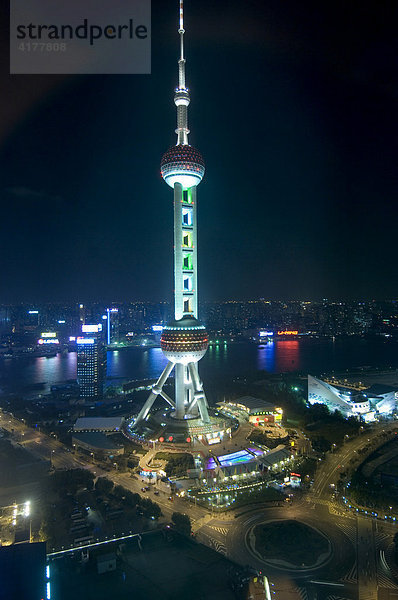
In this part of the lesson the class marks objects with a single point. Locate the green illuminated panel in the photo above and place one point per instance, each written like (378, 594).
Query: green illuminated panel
(187, 264)
(187, 196)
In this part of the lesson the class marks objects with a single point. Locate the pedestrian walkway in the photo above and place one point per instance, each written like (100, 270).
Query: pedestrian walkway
(222, 530)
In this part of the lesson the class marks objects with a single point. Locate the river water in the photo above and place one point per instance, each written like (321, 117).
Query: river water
(314, 356)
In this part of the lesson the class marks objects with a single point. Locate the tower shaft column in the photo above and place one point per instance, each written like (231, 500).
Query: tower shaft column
(178, 253)
(194, 254)
(180, 391)
(185, 252)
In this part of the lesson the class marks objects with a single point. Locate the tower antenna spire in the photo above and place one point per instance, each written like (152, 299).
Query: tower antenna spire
(181, 98)
(181, 31)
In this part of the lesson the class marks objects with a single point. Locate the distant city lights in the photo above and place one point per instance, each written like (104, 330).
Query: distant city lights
(92, 328)
(294, 332)
(82, 340)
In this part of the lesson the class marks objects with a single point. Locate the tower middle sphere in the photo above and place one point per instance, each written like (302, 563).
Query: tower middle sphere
(184, 340)
(182, 164)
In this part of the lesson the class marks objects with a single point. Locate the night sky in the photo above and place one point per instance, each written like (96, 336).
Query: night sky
(294, 108)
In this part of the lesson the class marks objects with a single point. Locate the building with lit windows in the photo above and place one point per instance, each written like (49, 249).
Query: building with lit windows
(184, 339)
(91, 362)
(251, 461)
(255, 410)
(112, 326)
(365, 403)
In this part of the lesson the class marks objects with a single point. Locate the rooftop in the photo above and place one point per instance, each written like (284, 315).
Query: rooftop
(98, 423)
(96, 439)
(254, 403)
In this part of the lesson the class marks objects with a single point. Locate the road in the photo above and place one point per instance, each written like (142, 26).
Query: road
(329, 471)
(45, 447)
(366, 560)
(362, 548)
(48, 448)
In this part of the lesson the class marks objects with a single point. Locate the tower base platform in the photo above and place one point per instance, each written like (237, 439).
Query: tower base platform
(162, 427)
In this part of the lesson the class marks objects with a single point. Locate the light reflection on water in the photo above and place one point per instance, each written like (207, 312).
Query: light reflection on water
(220, 362)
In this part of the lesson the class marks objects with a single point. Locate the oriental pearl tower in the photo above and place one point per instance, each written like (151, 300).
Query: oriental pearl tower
(184, 340)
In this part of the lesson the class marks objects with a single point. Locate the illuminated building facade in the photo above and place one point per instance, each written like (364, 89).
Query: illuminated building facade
(184, 340)
(112, 326)
(32, 320)
(367, 403)
(258, 412)
(251, 461)
(91, 362)
(48, 338)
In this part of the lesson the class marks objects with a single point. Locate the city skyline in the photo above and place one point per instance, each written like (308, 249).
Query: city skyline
(298, 199)
(124, 474)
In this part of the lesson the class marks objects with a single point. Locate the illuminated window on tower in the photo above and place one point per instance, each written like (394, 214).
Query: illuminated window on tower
(187, 196)
(188, 305)
(187, 216)
(187, 239)
(188, 284)
(187, 262)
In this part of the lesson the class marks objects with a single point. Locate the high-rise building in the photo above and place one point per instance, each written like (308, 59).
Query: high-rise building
(91, 362)
(112, 325)
(82, 313)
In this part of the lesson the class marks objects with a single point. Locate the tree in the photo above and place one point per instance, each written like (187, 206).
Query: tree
(119, 491)
(150, 509)
(178, 465)
(68, 482)
(321, 444)
(121, 462)
(182, 523)
(104, 485)
(133, 499)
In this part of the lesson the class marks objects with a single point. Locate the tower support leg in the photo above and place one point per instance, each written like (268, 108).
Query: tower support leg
(156, 390)
(198, 393)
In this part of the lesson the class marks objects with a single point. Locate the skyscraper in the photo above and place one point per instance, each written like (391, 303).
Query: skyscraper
(184, 340)
(112, 325)
(91, 362)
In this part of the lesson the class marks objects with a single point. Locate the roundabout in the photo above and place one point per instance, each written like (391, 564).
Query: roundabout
(288, 544)
(335, 556)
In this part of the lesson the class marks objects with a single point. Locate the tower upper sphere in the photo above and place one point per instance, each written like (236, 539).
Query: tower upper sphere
(182, 164)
